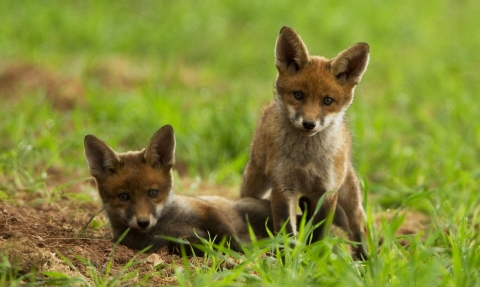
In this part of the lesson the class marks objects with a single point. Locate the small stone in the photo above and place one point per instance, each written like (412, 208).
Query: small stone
(154, 259)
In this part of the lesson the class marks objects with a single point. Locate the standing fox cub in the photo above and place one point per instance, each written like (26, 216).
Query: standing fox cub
(302, 143)
(136, 191)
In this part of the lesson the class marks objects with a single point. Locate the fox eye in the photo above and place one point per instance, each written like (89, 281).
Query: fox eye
(327, 101)
(153, 193)
(123, 197)
(298, 95)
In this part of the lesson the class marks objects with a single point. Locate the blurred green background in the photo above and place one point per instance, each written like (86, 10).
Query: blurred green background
(122, 69)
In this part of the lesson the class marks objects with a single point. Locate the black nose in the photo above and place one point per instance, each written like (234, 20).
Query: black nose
(143, 223)
(308, 125)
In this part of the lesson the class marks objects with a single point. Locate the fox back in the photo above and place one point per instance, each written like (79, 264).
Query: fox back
(136, 191)
(244, 212)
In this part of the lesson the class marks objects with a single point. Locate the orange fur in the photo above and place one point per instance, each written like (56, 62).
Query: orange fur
(302, 143)
(136, 191)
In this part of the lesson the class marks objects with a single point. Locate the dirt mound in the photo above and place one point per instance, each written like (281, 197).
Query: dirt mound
(41, 238)
(117, 72)
(17, 79)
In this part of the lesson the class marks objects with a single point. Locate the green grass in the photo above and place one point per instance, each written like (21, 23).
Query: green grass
(206, 68)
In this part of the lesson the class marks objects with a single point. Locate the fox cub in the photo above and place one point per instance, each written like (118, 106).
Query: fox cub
(136, 191)
(302, 144)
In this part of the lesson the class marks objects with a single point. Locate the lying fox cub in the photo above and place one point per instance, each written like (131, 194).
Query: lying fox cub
(136, 191)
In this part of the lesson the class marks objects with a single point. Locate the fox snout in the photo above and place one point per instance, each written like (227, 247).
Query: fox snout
(142, 223)
(312, 123)
(308, 125)
(142, 214)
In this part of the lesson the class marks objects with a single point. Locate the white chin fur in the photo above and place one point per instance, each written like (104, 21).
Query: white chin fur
(132, 223)
(308, 133)
(312, 133)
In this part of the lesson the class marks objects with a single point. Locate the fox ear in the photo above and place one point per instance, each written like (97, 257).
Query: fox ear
(161, 149)
(291, 55)
(349, 65)
(101, 158)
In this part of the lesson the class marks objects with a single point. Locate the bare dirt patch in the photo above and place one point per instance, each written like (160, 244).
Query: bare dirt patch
(36, 238)
(18, 79)
(118, 72)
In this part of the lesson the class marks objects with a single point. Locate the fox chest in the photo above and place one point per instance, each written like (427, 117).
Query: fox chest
(306, 170)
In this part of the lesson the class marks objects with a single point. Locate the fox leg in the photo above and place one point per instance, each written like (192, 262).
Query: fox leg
(255, 182)
(350, 201)
(328, 206)
(283, 208)
(339, 218)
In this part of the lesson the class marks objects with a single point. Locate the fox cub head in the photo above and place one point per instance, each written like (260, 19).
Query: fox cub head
(314, 91)
(135, 187)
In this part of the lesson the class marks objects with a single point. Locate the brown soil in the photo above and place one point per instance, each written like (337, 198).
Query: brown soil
(18, 78)
(36, 238)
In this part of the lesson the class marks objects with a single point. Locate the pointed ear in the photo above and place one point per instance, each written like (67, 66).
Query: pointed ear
(291, 55)
(101, 158)
(161, 149)
(349, 65)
